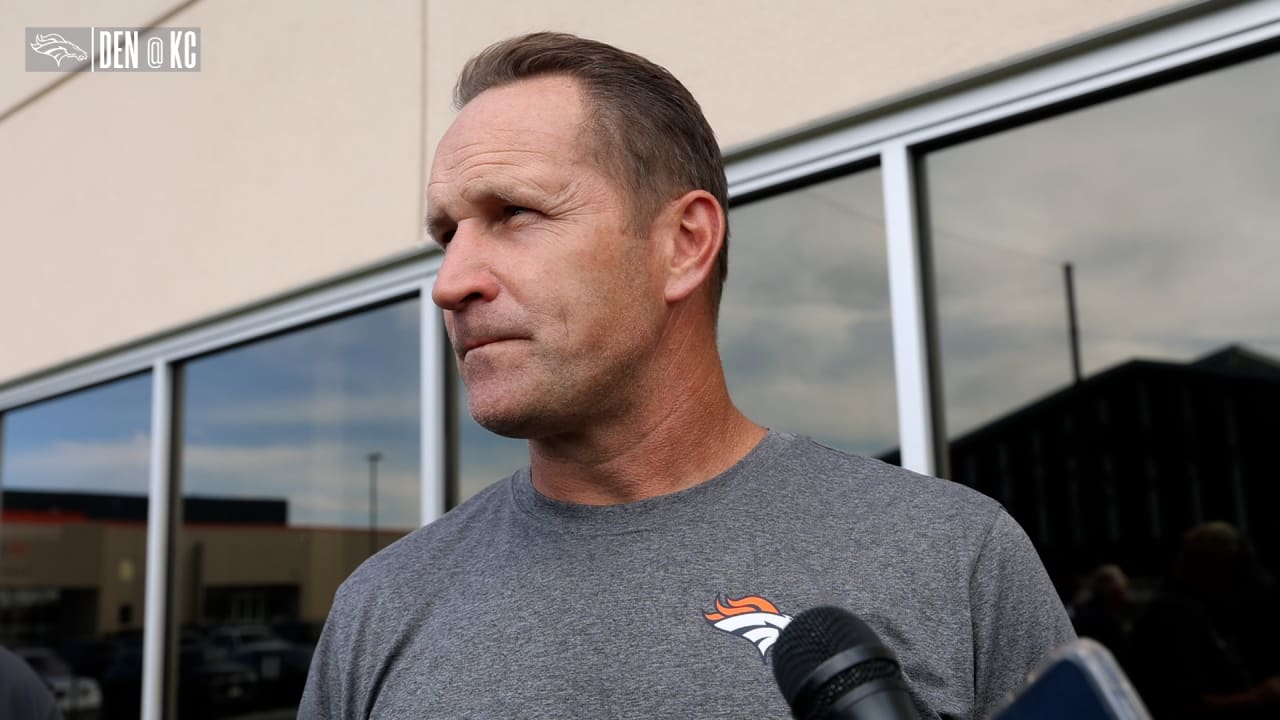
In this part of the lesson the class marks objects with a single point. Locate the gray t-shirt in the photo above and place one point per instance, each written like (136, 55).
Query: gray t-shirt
(516, 605)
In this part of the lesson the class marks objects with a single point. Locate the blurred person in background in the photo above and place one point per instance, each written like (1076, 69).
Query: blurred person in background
(1207, 645)
(23, 695)
(1104, 611)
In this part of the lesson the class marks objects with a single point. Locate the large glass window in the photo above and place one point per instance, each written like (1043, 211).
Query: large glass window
(74, 475)
(299, 459)
(805, 330)
(1161, 209)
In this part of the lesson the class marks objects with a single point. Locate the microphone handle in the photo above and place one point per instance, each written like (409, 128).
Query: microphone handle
(885, 699)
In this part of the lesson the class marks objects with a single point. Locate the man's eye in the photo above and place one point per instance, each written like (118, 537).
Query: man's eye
(513, 210)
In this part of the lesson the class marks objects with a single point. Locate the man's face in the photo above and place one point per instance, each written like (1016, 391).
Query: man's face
(552, 304)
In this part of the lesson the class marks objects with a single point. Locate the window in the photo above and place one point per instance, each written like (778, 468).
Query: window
(804, 322)
(74, 475)
(299, 459)
(1162, 206)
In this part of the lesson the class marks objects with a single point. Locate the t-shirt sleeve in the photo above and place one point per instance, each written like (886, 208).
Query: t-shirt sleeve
(1018, 619)
(331, 690)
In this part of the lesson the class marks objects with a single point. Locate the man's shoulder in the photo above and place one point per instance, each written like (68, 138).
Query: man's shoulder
(834, 474)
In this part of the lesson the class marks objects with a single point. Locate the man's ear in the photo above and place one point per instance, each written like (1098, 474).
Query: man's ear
(694, 233)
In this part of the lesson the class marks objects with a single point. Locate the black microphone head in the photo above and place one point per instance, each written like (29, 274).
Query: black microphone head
(823, 655)
(810, 639)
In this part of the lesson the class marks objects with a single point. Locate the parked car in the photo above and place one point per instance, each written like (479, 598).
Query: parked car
(281, 665)
(210, 685)
(77, 697)
(122, 681)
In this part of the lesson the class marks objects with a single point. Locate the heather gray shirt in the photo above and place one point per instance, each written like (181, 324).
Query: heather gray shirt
(516, 605)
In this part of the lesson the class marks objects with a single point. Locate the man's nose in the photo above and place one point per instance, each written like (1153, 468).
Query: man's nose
(466, 275)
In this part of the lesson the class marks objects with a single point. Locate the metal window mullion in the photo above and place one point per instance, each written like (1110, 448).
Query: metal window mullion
(157, 578)
(2, 481)
(906, 302)
(433, 420)
(795, 164)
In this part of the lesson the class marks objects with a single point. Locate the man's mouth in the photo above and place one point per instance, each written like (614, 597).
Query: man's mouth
(476, 343)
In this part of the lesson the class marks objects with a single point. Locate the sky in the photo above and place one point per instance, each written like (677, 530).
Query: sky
(805, 329)
(1164, 203)
(292, 417)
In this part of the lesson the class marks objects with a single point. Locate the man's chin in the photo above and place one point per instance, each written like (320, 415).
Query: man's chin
(503, 421)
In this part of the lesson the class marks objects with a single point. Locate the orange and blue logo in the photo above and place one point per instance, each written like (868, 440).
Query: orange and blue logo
(752, 618)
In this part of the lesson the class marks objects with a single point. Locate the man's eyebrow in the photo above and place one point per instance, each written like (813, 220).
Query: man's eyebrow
(485, 191)
(432, 218)
(436, 222)
(481, 192)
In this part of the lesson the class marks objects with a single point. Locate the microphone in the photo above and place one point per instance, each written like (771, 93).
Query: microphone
(830, 665)
(1079, 681)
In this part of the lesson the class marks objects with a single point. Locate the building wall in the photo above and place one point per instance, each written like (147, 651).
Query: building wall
(35, 554)
(134, 204)
(89, 556)
(121, 561)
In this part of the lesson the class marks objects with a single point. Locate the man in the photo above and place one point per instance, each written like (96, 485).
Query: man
(643, 563)
(1205, 646)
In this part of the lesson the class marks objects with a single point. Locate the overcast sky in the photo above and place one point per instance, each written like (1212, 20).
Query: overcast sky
(1164, 202)
(290, 418)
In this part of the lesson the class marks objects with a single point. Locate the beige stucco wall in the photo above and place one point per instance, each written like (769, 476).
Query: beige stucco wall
(135, 204)
(15, 82)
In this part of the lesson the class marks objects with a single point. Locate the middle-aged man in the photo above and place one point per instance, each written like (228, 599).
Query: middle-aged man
(643, 563)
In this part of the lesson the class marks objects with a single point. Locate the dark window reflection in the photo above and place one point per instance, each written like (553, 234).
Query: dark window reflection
(299, 459)
(74, 474)
(1148, 482)
(483, 457)
(805, 328)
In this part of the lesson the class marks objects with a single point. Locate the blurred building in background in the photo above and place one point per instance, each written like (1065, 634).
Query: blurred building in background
(1030, 247)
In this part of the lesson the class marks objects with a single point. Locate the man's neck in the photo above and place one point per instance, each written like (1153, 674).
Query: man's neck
(697, 435)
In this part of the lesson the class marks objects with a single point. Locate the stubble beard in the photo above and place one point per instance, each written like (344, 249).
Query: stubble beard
(547, 398)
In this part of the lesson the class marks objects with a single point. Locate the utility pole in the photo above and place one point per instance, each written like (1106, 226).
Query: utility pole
(1072, 329)
(373, 459)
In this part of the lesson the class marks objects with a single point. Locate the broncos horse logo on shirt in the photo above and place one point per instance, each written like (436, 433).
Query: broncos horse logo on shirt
(752, 617)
